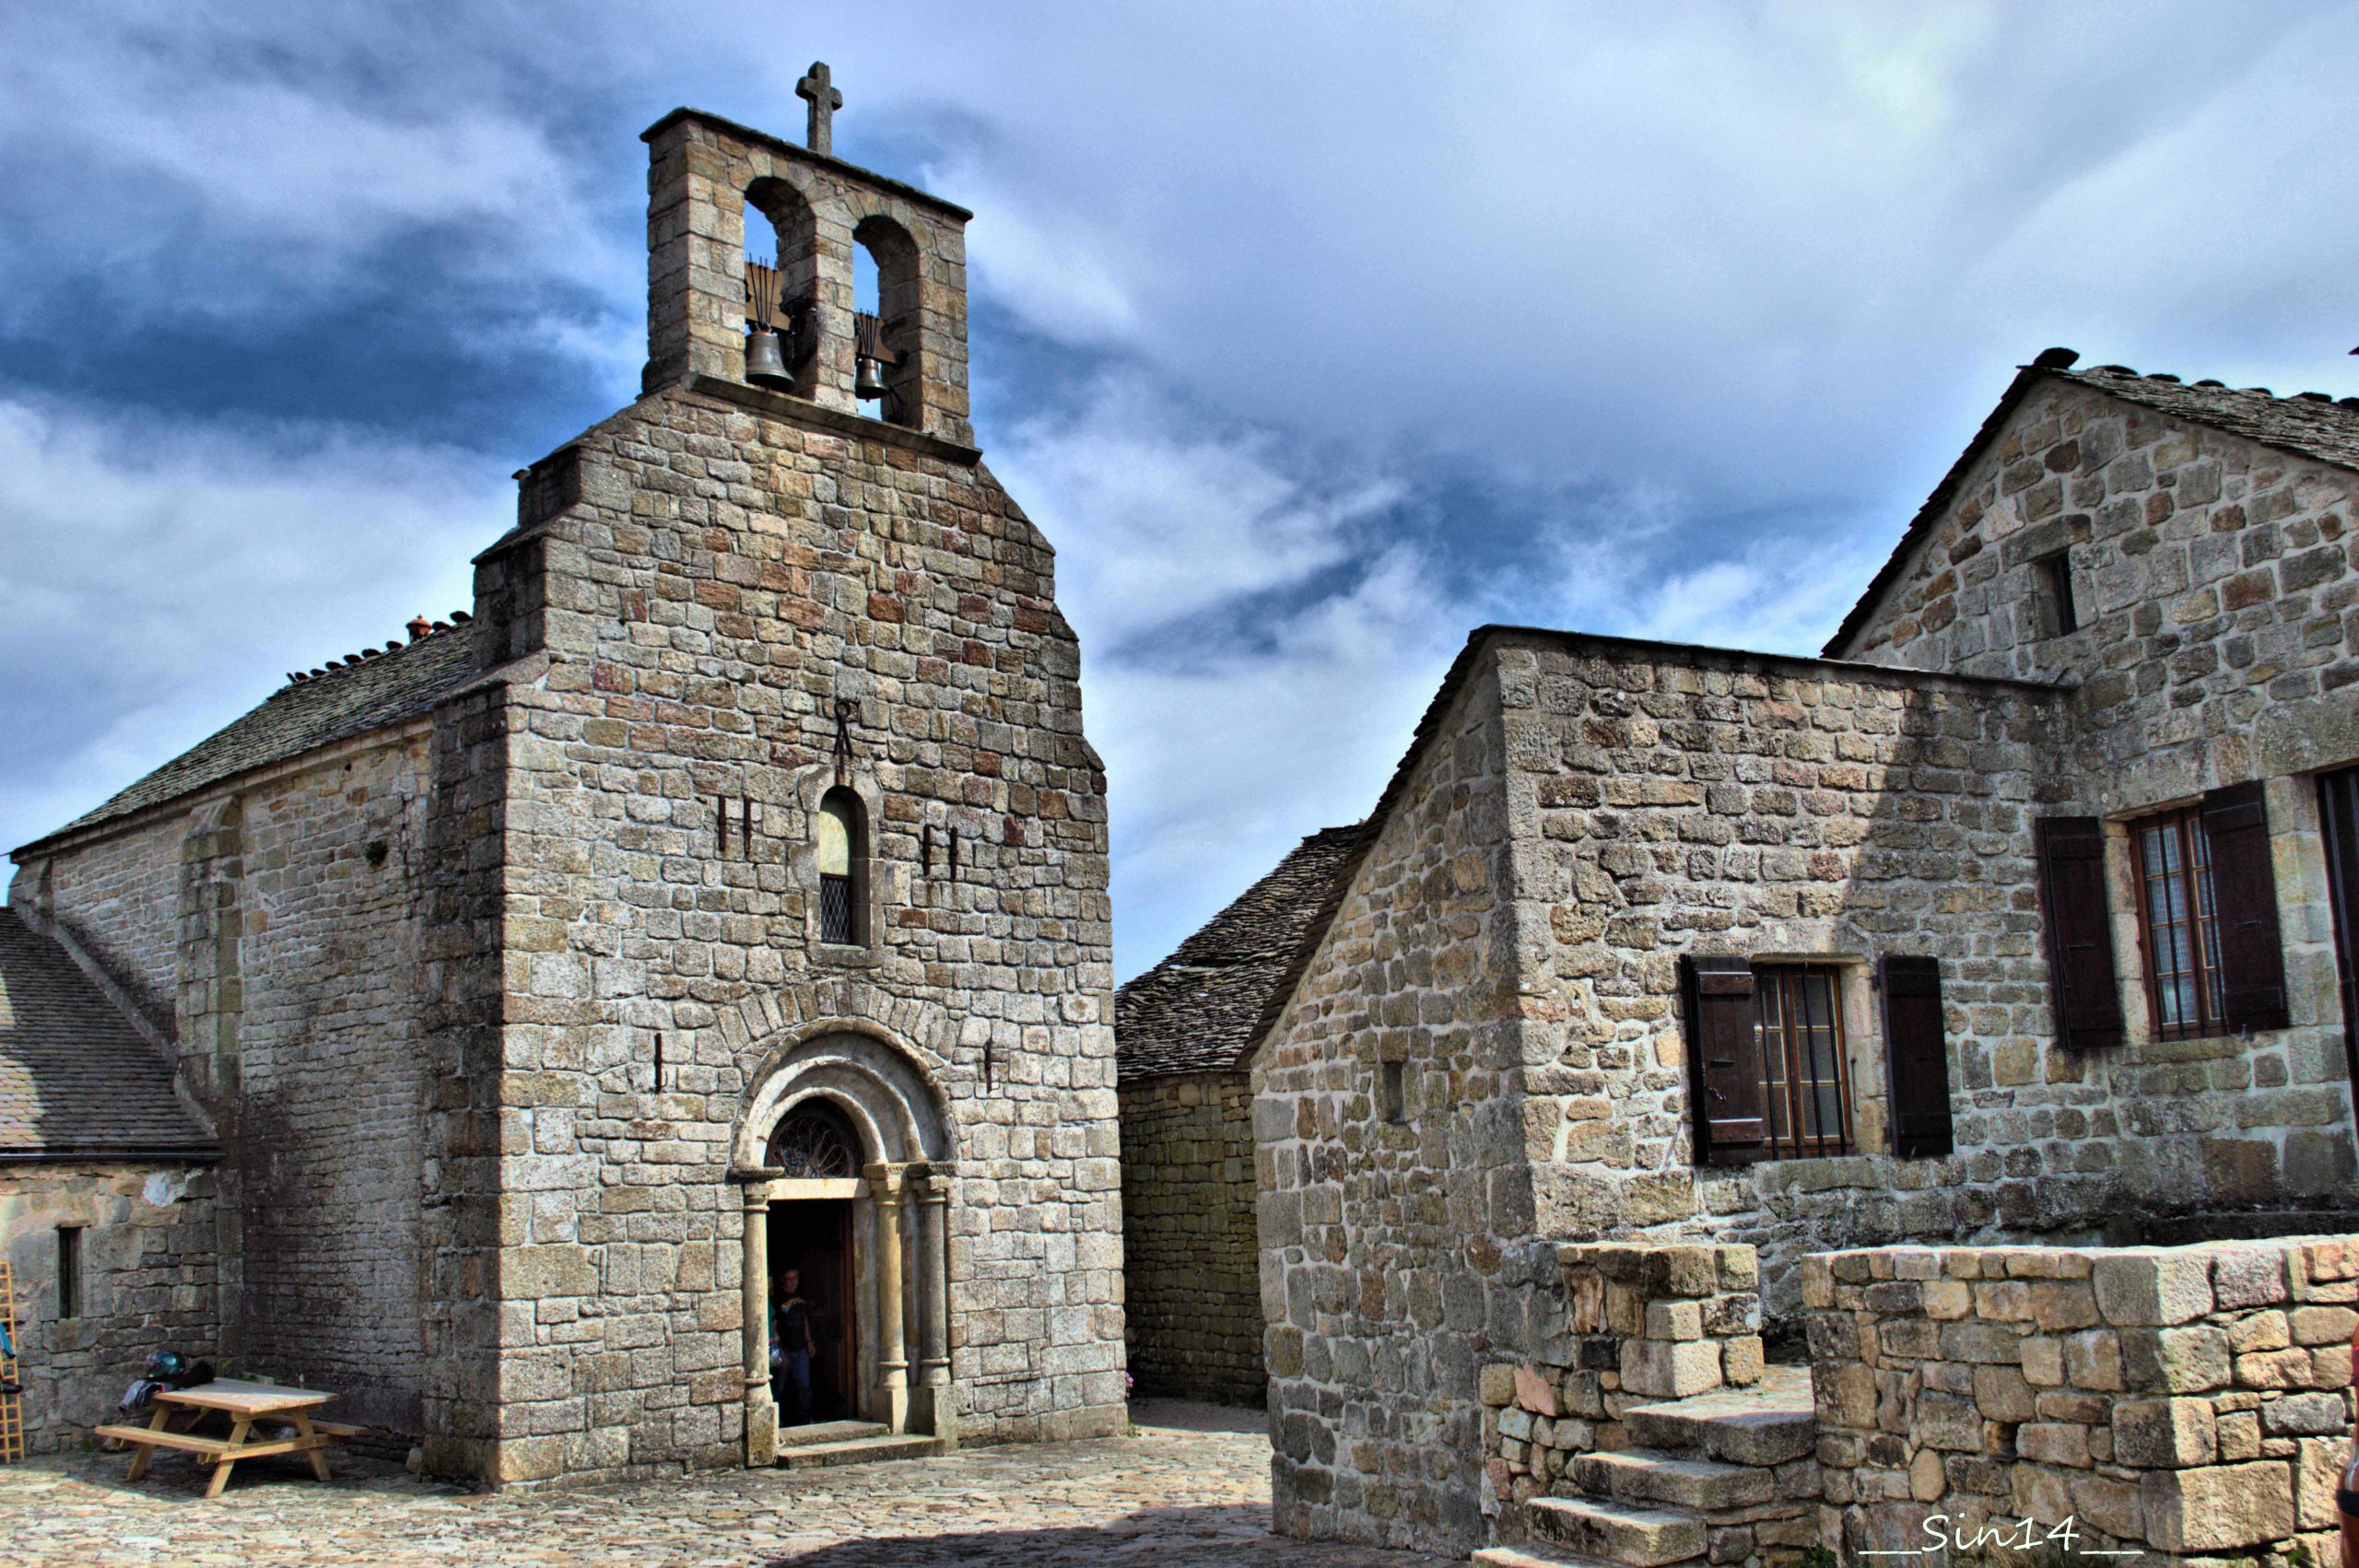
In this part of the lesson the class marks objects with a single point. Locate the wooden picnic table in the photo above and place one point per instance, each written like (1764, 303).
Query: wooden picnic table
(245, 1404)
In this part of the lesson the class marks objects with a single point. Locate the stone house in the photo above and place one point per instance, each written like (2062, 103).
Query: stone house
(106, 1190)
(725, 895)
(1184, 1036)
(2024, 914)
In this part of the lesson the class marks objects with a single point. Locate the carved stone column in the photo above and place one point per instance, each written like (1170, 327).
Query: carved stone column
(933, 1404)
(762, 1411)
(892, 1352)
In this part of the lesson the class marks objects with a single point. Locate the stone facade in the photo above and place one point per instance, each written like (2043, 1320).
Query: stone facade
(281, 921)
(1192, 1274)
(147, 1283)
(2188, 1401)
(1489, 1053)
(497, 1002)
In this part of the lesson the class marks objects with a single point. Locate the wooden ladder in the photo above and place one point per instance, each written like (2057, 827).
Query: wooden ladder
(12, 1410)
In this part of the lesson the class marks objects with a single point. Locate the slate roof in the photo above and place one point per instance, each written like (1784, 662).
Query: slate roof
(2307, 424)
(76, 1079)
(335, 704)
(1204, 1008)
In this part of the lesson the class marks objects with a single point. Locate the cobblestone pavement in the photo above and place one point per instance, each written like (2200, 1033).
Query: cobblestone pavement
(1187, 1490)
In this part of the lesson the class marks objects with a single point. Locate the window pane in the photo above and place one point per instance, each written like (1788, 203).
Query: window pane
(2207, 911)
(1821, 1105)
(1769, 1004)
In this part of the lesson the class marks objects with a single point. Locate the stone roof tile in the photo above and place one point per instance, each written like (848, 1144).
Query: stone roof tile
(2309, 425)
(344, 700)
(1202, 1008)
(76, 1079)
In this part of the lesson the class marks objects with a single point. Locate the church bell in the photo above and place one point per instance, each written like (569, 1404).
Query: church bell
(869, 358)
(765, 366)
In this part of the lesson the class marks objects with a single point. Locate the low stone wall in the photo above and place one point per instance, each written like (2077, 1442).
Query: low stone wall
(2189, 1401)
(1192, 1268)
(147, 1284)
(1644, 1323)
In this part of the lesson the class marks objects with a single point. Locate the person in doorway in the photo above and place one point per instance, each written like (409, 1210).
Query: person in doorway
(791, 1337)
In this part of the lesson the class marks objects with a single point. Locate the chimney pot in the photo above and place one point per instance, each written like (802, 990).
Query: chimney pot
(418, 627)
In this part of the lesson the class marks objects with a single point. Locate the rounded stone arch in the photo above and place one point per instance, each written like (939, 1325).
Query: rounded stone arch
(865, 1072)
(813, 227)
(900, 272)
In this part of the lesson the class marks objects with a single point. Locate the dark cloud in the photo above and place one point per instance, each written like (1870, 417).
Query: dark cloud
(1312, 336)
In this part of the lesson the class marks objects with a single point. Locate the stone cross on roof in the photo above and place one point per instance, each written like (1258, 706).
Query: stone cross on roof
(825, 100)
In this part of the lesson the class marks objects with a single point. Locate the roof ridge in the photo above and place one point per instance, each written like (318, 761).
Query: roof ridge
(420, 630)
(2310, 425)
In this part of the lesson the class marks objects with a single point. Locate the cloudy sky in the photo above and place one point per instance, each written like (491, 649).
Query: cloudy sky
(1314, 335)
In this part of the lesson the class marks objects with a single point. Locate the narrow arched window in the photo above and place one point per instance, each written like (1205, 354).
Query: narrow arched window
(843, 869)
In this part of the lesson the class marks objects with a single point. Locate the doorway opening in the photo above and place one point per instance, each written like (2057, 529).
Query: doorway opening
(810, 1259)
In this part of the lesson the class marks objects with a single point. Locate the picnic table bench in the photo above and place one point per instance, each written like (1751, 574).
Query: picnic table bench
(245, 1404)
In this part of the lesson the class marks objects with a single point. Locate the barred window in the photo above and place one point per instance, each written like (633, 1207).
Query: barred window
(843, 869)
(1806, 1100)
(2178, 921)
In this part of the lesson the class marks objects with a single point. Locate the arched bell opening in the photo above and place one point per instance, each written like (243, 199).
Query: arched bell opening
(886, 304)
(781, 281)
(847, 1215)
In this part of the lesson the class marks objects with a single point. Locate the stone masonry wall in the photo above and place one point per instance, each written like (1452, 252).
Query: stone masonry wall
(1674, 801)
(2219, 607)
(117, 896)
(291, 978)
(1191, 1278)
(722, 572)
(1397, 1257)
(2191, 1401)
(148, 1284)
(1642, 1323)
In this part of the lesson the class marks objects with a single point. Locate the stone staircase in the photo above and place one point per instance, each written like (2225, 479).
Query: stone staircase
(850, 1443)
(1730, 1475)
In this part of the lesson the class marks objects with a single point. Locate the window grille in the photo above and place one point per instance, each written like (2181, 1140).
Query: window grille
(1803, 1087)
(2178, 921)
(836, 923)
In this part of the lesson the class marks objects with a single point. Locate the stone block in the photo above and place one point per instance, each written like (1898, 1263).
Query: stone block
(1945, 1420)
(2220, 1508)
(2318, 1471)
(2092, 1360)
(1742, 1360)
(2151, 1287)
(1667, 1370)
(2174, 1360)
(1496, 1384)
(2054, 1442)
(1535, 1391)
(2305, 1415)
(2164, 1434)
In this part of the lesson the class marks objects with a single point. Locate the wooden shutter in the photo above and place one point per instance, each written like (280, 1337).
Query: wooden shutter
(2244, 886)
(1916, 1051)
(2083, 994)
(1724, 1056)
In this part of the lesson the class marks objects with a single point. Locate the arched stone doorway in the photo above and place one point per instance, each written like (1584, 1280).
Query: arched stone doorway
(843, 1151)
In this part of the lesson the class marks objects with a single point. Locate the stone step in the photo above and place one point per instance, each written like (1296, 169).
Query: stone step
(1638, 1538)
(1770, 1424)
(819, 1432)
(859, 1451)
(1533, 1556)
(1634, 1475)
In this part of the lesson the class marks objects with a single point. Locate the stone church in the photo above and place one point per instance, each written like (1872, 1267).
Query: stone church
(481, 1025)
(2029, 912)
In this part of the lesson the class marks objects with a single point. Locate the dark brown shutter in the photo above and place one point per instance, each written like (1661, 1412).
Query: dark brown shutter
(2244, 883)
(1724, 1054)
(1916, 1049)
(2081, 992)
